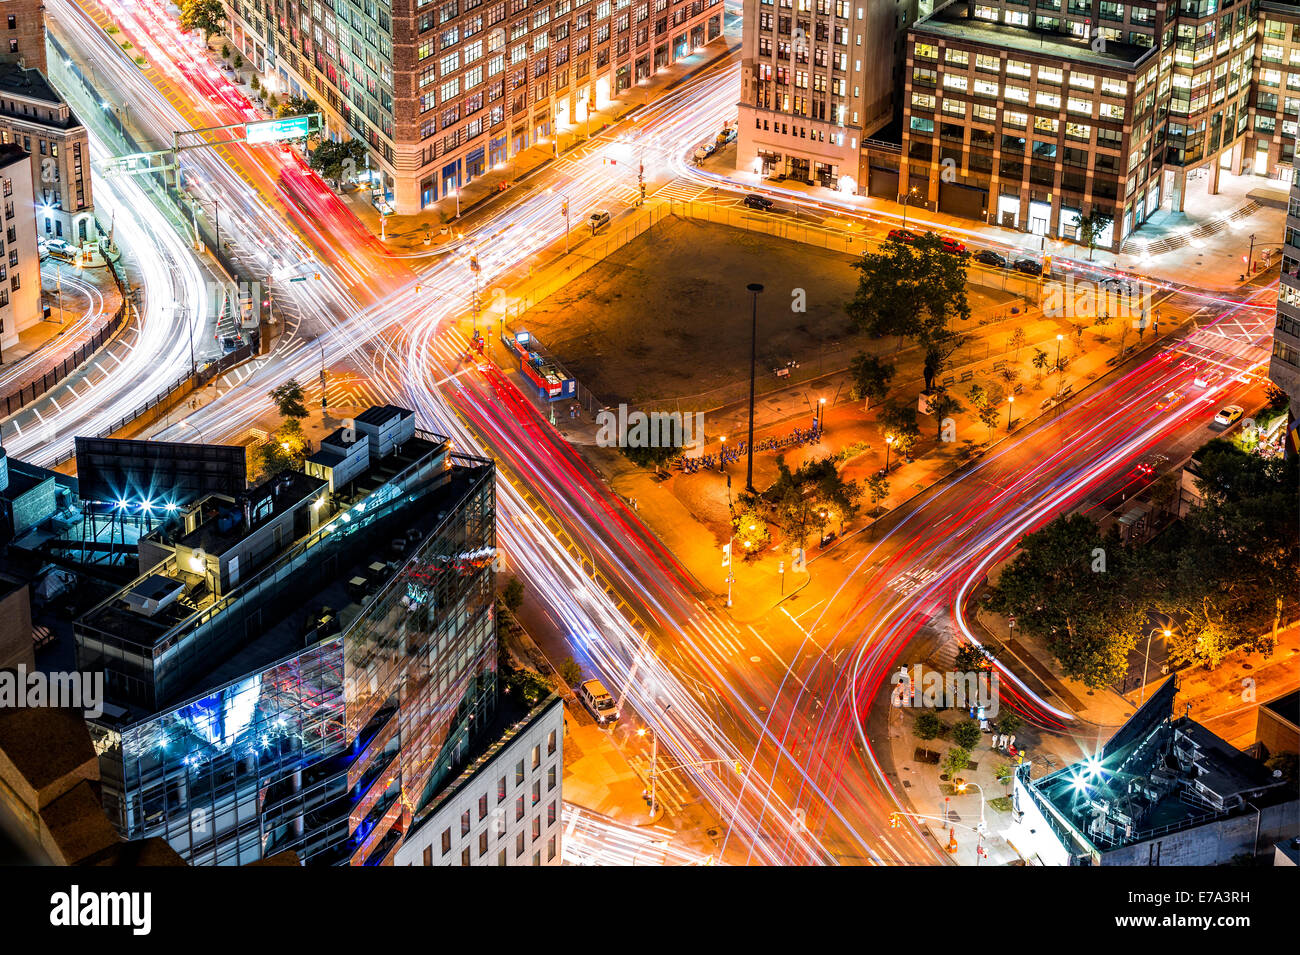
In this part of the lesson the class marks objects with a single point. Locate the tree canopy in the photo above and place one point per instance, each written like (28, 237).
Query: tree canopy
(1080, 593)
(914, 291)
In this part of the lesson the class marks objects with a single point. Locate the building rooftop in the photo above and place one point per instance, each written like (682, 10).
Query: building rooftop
(956, 21)
(1157, 774)
(378, 414)
(279, 494)
(336, 568)
(11, 153)
(1287, 707)
(31, 85)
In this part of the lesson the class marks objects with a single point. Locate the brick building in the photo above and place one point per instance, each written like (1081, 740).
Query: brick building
(443, 90)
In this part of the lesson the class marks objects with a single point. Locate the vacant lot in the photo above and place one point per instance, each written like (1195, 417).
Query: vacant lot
(668, 315)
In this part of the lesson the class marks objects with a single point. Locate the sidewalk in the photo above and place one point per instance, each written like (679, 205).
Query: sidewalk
(1211, 239)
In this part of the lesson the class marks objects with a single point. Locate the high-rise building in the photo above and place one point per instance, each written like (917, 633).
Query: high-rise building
(1033, 114)
(443, 90)
(20, 258)
(1284, 367)
(305, 666)
(22, 41)
(35, 117)
(506, 807)
(818, 78)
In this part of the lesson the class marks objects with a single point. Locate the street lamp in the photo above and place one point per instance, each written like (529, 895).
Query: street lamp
(654, 758)
(889, 443)
(906, 198)
(185, 423)
(1059, 339)
(819, 413)
(1011, 399)
(979, 850)
(1147, 659)
(754, 289)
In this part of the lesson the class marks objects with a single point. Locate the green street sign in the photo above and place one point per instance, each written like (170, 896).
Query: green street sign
(279, 130)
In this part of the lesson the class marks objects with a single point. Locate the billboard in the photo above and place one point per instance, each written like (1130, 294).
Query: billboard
(278, 130)
(156, 474)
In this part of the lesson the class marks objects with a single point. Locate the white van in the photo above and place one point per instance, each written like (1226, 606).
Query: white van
(597, 699)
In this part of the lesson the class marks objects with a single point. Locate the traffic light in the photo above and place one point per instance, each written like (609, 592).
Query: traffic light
(893, 820)
(564, 209)
(473, 264)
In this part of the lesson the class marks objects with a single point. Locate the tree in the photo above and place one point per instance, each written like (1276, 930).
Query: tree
(289, 399)
(205, 15)
(297, 106)
(512, 594)
(955, 762)
(1007, 723)
(971, 657)
(239, 62)
(928, 725)
(750, 534)
(1245, 528)
(877, 489)
(1081, 594)
(1040, 361)
(272, 102)
(1090, 228)
(986, 407)
(966, 734)
(1017, 340)
(570, 671)
(337, 161)
(528, 685)
(913, 291)
(899, 421)
(225, 51)
(870, 377)
(811, 497)
(255, 83)
(944, 406)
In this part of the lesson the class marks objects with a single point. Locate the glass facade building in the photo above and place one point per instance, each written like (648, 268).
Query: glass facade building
(337, 700)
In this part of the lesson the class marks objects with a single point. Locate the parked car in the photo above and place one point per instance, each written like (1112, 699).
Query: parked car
(60, 249)
(761, 203)
(901, 235)
(1027, 266)
(598, 700)
(598, 220)
(1229, 414)
(952, 246)
(989, 257)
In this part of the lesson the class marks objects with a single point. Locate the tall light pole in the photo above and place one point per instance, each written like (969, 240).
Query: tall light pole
(1250, 256)
(654, 758)
(911, 192)
(889, 443)
(1147, 660)
(979, 850)
(754, 289)
(1059, 339)
(1010, 401)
